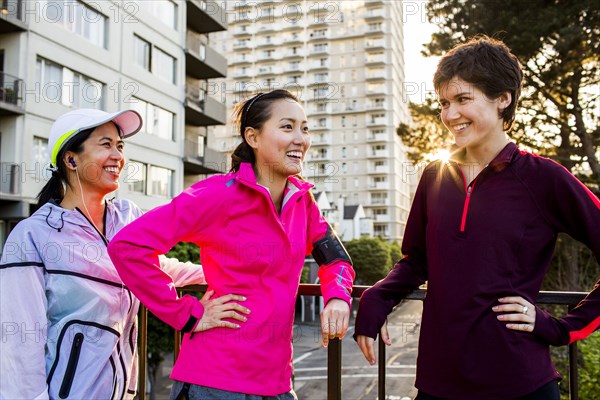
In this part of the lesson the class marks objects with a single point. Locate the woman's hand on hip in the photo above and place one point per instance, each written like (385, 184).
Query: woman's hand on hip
(218, 311)
(518, 312)
(334, 320)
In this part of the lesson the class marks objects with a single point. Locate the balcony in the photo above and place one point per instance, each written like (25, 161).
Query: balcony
(319, 18)
(318, 64)
(11, 89)
(270, 70)
(379, 202)
(376, 122)
(321, 127)
(293, 38)
(374, 30)
(319, 51)
(319, 156)
(379, 185)
(376, 90)
(198, 159)
(382, 218)
(243, 73)
(268, 42)
(205, 16)
(374, 14)
(375, 59)
(202, 61)
(12, 18)
(321, 140)
(294, 22)
(317, 35)
(375, 74)
(298, 53)
(376, 105)
(242, 60)
(377, 137)
(375, 44)
(244, 30)
(334, 350)
(378, 153)
(203, 110)
(10, 182)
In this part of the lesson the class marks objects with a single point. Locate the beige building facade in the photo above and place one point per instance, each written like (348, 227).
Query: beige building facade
(152, 56)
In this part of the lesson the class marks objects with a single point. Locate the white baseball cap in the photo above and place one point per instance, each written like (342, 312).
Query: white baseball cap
(70, 124)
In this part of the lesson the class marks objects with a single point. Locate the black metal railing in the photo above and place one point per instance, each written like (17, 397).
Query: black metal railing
(334, 349)
(10, 88)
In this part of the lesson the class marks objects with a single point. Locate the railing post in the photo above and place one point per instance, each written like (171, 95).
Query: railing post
(334, 369)
(381, 369)
(143, 356)
(573, 375)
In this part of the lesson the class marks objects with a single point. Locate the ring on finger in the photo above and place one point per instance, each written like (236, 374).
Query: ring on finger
(525, 309)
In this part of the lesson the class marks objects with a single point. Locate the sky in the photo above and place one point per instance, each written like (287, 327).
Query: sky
(417, 68)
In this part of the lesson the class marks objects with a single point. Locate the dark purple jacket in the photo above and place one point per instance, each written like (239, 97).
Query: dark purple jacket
(475, 248)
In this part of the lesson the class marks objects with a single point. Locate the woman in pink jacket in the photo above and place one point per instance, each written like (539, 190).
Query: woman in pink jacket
(254, 227)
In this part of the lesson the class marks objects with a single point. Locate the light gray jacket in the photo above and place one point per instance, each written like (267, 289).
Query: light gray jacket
(68, 322)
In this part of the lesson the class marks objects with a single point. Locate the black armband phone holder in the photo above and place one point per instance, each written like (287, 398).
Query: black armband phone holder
(329, 249)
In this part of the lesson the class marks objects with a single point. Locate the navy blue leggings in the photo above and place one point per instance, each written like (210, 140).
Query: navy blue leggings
(547, 392)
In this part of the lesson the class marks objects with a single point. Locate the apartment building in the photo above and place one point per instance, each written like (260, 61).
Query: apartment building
(344, 59)
(151, 56)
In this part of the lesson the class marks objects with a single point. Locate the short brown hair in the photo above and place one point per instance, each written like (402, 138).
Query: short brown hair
(488, 64)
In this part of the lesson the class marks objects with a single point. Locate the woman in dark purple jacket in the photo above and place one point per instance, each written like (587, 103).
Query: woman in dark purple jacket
(481, 232)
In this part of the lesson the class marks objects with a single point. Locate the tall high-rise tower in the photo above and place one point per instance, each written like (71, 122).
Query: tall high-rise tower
(345, 61)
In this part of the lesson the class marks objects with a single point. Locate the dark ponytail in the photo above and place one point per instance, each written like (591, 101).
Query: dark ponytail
(54, 189)
(254, 112)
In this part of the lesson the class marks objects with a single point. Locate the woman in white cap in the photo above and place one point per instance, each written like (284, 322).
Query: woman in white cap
(68, 322)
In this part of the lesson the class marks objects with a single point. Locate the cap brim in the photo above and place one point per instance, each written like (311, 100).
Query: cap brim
(129, 121)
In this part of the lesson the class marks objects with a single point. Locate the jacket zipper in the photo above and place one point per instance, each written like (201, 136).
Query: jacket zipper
(65, 388)
(469, 191)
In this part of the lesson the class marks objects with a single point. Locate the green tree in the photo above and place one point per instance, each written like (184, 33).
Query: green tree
(395, 252)
(426, 134)
(558, 43)
(371, 259)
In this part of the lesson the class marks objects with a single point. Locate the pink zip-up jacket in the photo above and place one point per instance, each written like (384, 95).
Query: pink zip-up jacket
(248, 249)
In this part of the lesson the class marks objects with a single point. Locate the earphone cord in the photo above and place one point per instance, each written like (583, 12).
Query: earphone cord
(122, 286)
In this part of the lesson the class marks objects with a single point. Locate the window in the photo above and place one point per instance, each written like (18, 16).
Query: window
(380, 230)
(153, 59)
(160, 182)
(40, 154)
(136, 177)
(60, 84)
(157, 121)
(321, 77)
(78, 18)
(165, 11)
(164, 65)
(141, 52)
(343, 152)
(320, 47)
(378, 198)
(375, 27)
